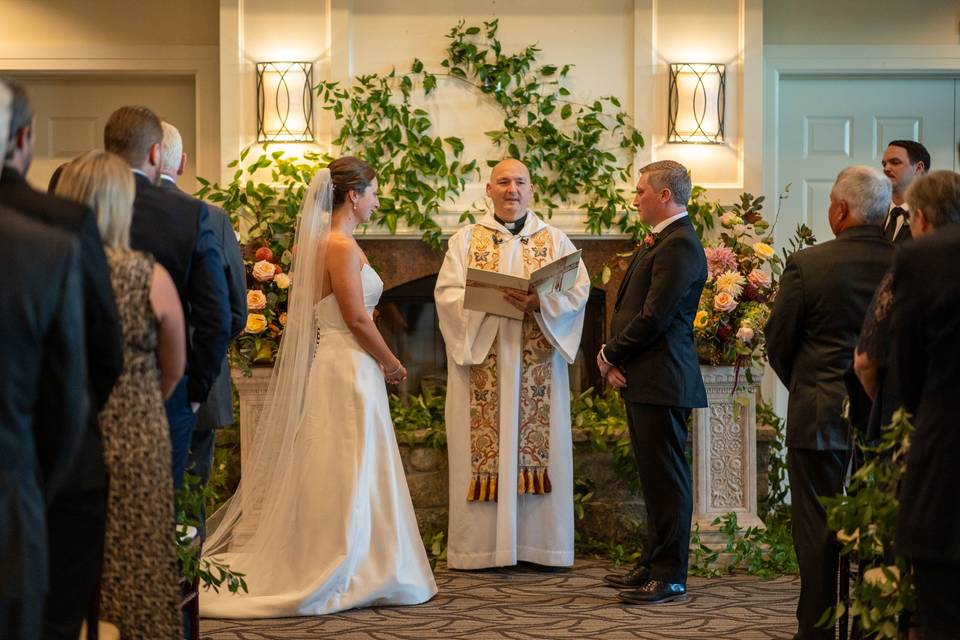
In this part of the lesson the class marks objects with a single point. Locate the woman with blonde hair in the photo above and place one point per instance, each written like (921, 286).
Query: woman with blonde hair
(140, 590)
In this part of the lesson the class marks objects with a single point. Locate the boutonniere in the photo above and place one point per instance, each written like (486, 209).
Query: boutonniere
(650, 239)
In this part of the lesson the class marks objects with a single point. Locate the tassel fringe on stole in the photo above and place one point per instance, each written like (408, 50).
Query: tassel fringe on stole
(483, 487)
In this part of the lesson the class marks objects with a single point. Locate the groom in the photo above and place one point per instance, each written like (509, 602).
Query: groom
(651, 357)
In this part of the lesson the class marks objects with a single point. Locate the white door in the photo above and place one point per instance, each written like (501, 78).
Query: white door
(827, 123)
(72, 110)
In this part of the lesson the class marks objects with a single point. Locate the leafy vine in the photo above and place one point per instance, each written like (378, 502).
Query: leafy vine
(577, 154)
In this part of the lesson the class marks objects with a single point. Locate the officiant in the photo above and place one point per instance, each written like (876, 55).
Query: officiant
(508, 393)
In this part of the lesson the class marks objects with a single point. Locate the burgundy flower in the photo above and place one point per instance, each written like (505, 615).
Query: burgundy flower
(724, 331)
(750, 292)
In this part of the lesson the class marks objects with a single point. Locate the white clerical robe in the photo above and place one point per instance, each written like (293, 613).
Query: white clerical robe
(532, 528)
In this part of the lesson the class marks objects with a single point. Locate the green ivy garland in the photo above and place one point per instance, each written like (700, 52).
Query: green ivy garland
(577, 153)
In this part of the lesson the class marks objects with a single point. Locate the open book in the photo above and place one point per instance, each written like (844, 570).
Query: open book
(485, 289)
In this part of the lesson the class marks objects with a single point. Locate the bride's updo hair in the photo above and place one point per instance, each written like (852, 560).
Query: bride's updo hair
(349, 174)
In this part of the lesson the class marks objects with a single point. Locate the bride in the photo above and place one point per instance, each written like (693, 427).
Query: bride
(322, 520)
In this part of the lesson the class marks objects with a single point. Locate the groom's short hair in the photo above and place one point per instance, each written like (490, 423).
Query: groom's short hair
(668, 174)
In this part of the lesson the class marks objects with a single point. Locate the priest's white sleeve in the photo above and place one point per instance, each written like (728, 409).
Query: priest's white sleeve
(561, 313)
(468, 334)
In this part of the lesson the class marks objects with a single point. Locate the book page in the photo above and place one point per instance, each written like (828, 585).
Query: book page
(559, 275)
(485, 289)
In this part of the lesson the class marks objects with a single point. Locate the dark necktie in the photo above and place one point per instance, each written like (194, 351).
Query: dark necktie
(895, 214)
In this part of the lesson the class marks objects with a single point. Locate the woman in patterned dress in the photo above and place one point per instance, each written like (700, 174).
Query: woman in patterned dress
(140, 584)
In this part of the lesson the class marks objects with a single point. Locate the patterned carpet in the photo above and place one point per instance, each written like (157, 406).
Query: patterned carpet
(518, 603)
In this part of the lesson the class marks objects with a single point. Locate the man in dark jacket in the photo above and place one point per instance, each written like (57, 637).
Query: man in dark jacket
(926, 360)
(813, 328)
(174, 228)
(651, 356)
(217, 411)
(76, 515)
(43, 410)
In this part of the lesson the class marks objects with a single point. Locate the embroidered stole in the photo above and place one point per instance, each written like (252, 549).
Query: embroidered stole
(535, 378)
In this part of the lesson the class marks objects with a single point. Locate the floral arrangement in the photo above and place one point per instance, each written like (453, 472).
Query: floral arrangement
(263, 201)
(742, 274)
(267, 289)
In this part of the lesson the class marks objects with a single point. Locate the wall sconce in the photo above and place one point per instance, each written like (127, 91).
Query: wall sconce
(696, 103)
(285, 102)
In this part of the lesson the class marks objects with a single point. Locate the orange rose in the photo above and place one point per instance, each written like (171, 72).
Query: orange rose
(256, 300)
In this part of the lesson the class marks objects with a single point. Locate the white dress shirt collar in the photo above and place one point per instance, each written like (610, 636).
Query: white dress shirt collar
(663, 224)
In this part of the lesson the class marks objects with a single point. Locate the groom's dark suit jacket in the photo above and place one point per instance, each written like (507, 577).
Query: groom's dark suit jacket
(652, 327)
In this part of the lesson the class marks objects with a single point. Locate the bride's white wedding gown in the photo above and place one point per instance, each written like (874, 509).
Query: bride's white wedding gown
(350, 537)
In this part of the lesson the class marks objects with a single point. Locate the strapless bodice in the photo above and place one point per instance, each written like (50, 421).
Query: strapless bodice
(327, 311)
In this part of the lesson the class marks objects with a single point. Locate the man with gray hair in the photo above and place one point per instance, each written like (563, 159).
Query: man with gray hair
(651, 357)
(217, 411)
(813, 328)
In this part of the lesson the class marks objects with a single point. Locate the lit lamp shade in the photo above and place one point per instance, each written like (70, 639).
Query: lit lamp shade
(696, 103)
(285, 102)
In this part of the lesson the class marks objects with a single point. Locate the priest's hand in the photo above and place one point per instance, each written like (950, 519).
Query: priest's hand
(522, 300)
(615, 378)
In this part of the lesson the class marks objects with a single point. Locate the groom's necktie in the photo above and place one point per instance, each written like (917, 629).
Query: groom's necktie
(895, 214)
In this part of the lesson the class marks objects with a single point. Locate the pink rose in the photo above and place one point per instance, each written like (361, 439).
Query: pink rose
(759, 278)
(724, 302)
(745, 334)
(264, 271)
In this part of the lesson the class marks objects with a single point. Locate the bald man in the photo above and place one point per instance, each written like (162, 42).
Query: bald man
(508, 394)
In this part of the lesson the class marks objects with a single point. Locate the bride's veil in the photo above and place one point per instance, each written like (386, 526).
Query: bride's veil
(243, 523)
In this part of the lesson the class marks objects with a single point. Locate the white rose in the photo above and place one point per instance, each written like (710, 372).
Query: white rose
(282, 280)
(745, 334)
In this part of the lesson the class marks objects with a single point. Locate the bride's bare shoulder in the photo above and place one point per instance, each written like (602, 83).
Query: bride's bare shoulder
(342, 249)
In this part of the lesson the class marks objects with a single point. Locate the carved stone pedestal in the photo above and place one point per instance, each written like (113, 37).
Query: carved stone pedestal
(725, 452)
(252, 390)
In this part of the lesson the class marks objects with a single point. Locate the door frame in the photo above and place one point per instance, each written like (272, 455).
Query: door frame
(198, 62)
(783, 61)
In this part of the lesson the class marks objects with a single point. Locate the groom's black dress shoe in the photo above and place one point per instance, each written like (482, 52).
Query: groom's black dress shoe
(654, 591)
(634, 578)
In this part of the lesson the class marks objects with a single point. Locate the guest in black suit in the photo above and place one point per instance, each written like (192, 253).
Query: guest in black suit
(76, 515)
(813, 327)
(903, 162)
(651, 356)
(926, 360)
(217, 411)
(174, 228)
(44, 405)
(931, 198)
